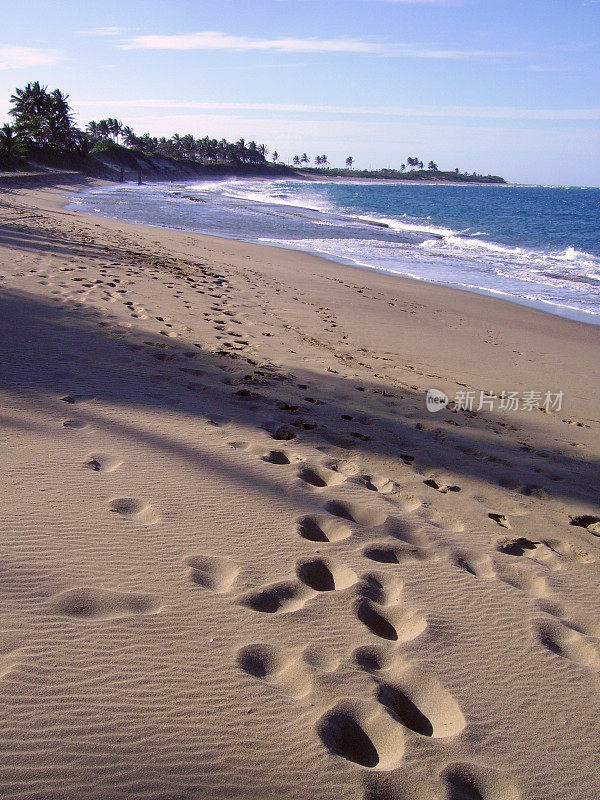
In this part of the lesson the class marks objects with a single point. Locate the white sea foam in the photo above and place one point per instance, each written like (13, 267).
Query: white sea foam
(350, 226)
(400, 225)
(263, 191)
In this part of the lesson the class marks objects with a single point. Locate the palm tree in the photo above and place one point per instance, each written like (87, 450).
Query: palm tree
(239, 154)
(218, 151)
(252, 152)
(304, 159)
(115, 128)
(147, 143)
(324, 161)
(349, 162)
(275, 156)
(318, 161)
(403, 168)
(92, 129)
(129, 136)
(432, 166)
(83, 143)
(230, 153)
(30, 110)
(8, 141)
(104, 128)
(176, 141)
(42, 118)
(296, 161)
(29, 102)
(60, 120)
(188, 145)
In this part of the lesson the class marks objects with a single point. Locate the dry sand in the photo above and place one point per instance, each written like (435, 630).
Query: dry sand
(239, 559)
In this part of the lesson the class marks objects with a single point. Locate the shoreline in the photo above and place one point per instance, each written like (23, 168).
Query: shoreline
(562, 312)
(455, 300)
(239, 552)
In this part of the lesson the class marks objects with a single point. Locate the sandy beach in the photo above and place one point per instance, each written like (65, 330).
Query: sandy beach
(241, 559)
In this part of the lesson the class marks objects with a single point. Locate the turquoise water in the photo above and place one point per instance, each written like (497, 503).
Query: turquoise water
(534, 245)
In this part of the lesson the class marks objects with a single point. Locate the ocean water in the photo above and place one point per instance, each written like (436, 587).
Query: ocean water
(539, 246)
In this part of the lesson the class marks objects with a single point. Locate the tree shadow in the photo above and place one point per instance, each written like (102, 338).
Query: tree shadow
(65, 356)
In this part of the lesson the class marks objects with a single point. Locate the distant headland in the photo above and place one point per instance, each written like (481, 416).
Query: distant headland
(429, 175)
(43, 133)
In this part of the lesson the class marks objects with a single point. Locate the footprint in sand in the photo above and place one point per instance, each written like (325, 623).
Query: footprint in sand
(501, 519)
(320, 477)
(325, 575)
(284, 597)
(467, 781)
(283, 433)
(364, 733)
(102, 462)
(134, 509)
(423, 704)
(407, 503)
(96, 604)
(280, 457)
(567, 643)
(475, 563)
(518, 547)
(374, 658)
(75, 424)
(323, 528)
(570, 551)
(384, 553)
(588, 624)
(378, 483)
(534, 585)
(73, 399)
(212, 572)
(380, 588)
(320, 658)
(537, 551)
(587, 521)
(276, 667)
(396, 623)
(356, 512)
(378, 609)
(441, 487)
(401, 784)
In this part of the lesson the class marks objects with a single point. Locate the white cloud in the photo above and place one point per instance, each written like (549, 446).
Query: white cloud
(15, 57)
(217, 40)
(441, 112)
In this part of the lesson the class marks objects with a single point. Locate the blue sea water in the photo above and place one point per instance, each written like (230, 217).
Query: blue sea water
(539, 246)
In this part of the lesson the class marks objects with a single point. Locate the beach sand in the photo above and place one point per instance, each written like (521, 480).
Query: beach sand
(240, 559)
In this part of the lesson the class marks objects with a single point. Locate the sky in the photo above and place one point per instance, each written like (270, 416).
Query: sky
(508, 87)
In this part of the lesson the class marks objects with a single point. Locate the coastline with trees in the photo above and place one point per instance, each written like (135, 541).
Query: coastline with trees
(43, 131)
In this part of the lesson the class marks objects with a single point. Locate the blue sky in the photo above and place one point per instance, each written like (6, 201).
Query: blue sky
(503, 86)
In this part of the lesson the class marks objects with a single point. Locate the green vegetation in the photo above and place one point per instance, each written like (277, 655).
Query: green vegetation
(44, 131)
(416, 171)
(387, 174)
(204, 150)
